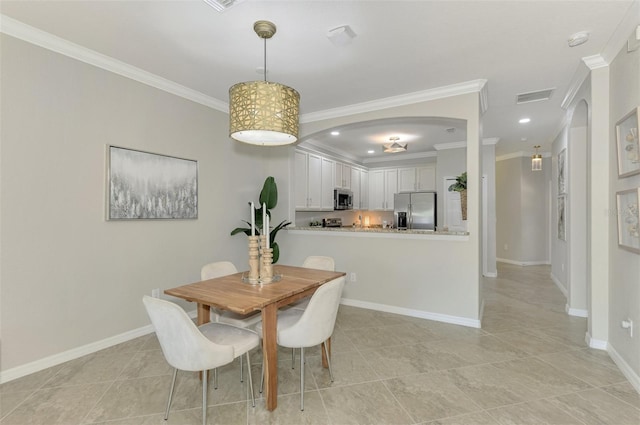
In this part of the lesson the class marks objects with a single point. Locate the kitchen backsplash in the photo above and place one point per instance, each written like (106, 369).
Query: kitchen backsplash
(376, 218)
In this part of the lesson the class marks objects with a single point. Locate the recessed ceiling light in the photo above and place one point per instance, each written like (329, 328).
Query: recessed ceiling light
(335, 133)
(371, 151)
(524, 120)
(578, 39)
(524, 139)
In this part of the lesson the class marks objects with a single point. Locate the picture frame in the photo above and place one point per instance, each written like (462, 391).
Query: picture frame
(628, 208)
(149, 186)
(562, 218)
(562, 171)
(628, 144)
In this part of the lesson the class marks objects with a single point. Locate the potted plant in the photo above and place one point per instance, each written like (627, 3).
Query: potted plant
(269, 198)
(461, 186)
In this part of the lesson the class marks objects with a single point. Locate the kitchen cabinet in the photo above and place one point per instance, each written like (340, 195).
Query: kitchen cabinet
(383, 184)
(326, 197)
(364, 190)
(308, 182)
(355, 188)
(343, 176)
(416, 178)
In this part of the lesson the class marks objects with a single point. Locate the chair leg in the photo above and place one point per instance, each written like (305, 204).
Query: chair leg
(215, 378)
(301, 378)
(253, 399)
(173, 385)
(326, 352)
(241, 378)
(205, 381)
(262, 377)
(293, 358)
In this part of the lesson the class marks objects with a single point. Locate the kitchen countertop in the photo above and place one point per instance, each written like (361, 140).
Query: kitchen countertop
(356, 229)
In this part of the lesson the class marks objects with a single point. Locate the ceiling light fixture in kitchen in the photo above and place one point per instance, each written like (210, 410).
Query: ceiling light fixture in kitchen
(394, 146)
(536, 160)
(262, 112)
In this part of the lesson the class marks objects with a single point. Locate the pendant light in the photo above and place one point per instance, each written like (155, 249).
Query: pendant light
(536, 160)
(394, 146)
(262, 112)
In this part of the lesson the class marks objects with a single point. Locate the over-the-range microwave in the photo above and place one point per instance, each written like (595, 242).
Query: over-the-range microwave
(342, 199)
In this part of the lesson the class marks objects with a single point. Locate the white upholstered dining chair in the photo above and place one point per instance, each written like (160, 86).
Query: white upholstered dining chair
(197, 349)
(315, 262)
(310, 327)
(219, 269)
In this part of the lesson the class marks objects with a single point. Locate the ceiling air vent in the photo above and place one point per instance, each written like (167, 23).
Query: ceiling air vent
(534, 96)
(222, 5)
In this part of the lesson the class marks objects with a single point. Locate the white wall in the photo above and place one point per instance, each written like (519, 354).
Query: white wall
(70, 278)
(559, 247)
(624, 271)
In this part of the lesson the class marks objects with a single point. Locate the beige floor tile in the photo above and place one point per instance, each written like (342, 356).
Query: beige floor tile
(288, 411)
(97, 367)
(597, 407)
(430, 396)
(571, 334)
(532, 341)
(288, 378)
(9, 401)
(226, 414)
(478, 418)
(132, 346)
(354, 318)
(389, 362)
(592, 366)
(363, 404)
(146, 363)
(348, 368)
(478, 350)
(541, 378)
(539, 412)
(373, 337)
(625, 392)
(31, 382)
(443, 330)
(62, 405)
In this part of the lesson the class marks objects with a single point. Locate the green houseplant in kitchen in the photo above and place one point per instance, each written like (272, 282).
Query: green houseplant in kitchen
(269, 198)
(461, 186)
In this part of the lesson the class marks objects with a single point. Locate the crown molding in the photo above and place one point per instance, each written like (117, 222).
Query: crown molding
(484, 98)
(595, 62)
(310, 145)
(452, 145)
(400, 157)
(521, 154)
(490, 141)
(56, 44)
(474, 86)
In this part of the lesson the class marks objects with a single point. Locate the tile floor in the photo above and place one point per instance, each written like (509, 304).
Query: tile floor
(528, 365)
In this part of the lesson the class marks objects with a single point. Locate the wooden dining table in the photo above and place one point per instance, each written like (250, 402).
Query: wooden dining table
(233, 294)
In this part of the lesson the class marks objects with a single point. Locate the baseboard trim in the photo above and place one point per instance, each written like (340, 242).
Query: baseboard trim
(491, 274)
(456, 320)
(575, 311)
(559, 285)
(597, 344)
(624, 367)
(74, 353)
(523, 263)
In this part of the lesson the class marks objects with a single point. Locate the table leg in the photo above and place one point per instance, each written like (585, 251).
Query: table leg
(204, 314)
(324, 356)
(270, 354)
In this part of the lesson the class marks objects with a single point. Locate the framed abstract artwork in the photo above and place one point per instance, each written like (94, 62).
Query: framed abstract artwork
(628, 144)
(629, 219)
(144, 185)
(562, 172)
(562, 218)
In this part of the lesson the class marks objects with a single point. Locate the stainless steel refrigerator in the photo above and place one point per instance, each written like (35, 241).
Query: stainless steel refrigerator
(420, 209)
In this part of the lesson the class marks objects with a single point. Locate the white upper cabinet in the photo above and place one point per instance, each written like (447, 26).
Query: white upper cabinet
(383, 184)
(364, 190)
(343, 176)
(313, 183)
(416, 178)
(355, 188)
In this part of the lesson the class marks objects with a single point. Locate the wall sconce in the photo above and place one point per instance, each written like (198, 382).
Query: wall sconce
(536, 160)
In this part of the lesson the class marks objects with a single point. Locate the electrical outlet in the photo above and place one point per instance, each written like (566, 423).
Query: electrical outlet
(155, 293)
(628, 324)
(353, 277)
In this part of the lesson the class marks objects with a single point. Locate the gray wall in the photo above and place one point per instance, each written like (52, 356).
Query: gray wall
(70, 278)
(522, 211)
(624, 271)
